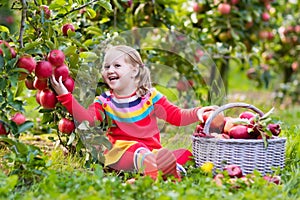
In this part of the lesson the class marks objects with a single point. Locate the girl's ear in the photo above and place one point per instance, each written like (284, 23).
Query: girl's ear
(135, 71)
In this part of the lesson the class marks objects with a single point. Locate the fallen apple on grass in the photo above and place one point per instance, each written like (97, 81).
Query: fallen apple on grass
(234, 171)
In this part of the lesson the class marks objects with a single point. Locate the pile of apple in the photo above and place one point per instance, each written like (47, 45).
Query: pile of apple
(43, 70)
(247, 125)
(235, 174)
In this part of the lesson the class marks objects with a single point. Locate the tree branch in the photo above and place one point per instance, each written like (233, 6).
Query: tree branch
(75, 9)
(22, 27)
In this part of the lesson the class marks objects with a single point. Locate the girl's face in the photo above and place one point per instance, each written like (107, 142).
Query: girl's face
(118, 74)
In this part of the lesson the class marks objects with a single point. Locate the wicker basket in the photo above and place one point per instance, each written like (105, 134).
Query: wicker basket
(249, 154)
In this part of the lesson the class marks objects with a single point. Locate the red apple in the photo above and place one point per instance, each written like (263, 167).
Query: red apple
(2, 129)
(228, 124)
(66, 126)
(274, 128)
(43, 69)
(26, 62)
(46, 10)
(272, 179)
(182, 85)
(196, 7)
(234, 2)
(48, 99)
(224, 8)
(56, 57)
(18, 118)
(69, 84)
(247, 115)
(62, 71)
(37, 96)
(240, 132)
(12, 51)
(198, 55)
(29, 83)
(265, 16)
(40, 84)
(67, 27)
(218, 179)
(217, 123)
(234, 171)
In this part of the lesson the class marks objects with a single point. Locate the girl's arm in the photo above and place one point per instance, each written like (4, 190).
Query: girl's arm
(72, 105)
(175, 115)
(92, 113)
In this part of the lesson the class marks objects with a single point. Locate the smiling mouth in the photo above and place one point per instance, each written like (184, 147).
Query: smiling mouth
(113, 78)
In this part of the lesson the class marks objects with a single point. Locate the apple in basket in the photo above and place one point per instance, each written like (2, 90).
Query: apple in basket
(240, 132)
(217, 123)
(234, 171)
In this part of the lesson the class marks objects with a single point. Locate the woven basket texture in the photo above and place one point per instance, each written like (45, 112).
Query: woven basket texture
(249, 154)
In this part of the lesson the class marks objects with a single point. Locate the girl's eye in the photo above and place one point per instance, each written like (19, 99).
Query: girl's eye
(106, 67)
(117, 65)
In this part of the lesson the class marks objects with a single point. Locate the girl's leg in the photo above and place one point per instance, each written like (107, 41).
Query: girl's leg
(166, 163)
(138, 158)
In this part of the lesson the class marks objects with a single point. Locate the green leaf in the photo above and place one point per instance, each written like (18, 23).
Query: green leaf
(31, 45)
(23, 127)
(4, 29)
(70, 50)
(20, 89)
(71, 138)
(106, 5)
(89, 56)
(168, 92)
(3, 83)
(92, 14)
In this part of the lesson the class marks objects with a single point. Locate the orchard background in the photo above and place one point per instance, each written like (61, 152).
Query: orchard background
(252, 48)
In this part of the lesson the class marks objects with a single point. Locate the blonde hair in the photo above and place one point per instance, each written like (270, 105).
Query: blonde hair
(143, 78)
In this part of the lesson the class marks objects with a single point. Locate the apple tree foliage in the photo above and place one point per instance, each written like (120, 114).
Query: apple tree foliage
(248, 35)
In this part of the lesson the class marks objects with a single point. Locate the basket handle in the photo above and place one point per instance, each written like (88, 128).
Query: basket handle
(228, 106)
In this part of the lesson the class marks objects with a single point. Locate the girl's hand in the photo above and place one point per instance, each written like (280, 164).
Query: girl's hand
(202, 110)
(59, 87)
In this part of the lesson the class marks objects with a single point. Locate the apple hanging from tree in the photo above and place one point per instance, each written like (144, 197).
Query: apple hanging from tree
(43, 69)
(26, 62)
(56, 57)
(18, 118)
(61, 71)
(2, 129)
(48, 99)
(224, 8)
(67, 27)
(265, 16)
(66, 126)
(40, 84)
(29, 83)
(69, 83)
(12, 51)
(46, 10)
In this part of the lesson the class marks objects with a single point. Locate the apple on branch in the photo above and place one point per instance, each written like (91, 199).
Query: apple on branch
(66, 126)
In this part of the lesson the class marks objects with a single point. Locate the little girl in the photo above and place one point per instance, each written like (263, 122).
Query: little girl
(134, 106)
